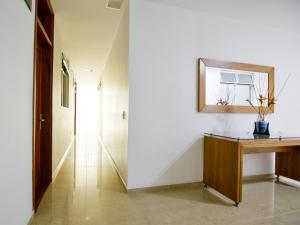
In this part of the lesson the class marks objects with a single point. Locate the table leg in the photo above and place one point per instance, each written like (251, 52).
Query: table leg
(223, 167)
(288, 164)
(236, 204)
(277, 179)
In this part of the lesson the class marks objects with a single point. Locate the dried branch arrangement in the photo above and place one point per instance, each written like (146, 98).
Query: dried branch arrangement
(265, 100)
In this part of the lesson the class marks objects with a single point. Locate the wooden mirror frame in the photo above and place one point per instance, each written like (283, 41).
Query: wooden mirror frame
(204, 62)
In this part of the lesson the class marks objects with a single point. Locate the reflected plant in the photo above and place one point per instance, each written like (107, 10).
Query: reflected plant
(225, 101)
(222, 102)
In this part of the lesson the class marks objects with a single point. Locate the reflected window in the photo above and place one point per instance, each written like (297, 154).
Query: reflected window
(232, 87)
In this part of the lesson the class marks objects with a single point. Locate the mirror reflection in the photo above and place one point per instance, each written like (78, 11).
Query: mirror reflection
(234, 87)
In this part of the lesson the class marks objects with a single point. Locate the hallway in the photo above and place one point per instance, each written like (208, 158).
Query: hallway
(85, 186)
(107, 106)
(87, 191)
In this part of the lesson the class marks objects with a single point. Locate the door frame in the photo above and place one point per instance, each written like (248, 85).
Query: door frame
(36, 95)
(75, 108)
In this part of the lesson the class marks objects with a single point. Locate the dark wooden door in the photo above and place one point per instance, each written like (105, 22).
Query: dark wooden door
(43, 121)
(42, 151)
(38, 147)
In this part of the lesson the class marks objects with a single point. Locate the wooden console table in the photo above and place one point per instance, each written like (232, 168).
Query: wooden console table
(223, 159)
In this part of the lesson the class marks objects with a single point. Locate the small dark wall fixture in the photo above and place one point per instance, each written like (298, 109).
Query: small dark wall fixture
(29, 4)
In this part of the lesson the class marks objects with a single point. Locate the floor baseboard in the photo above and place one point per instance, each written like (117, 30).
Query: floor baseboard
(31, 218)
(165, 187)
(246, 179)
(56, 171)
(256, 178)
(113, 164)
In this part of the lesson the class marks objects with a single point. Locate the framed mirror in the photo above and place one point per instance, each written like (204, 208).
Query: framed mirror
(229, 86)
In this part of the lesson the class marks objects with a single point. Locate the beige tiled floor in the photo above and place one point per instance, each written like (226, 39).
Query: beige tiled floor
(87, 191)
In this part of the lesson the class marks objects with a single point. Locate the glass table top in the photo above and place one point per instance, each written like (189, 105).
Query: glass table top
(251, 136)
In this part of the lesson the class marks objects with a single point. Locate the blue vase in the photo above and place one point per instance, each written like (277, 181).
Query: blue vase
(261, 128)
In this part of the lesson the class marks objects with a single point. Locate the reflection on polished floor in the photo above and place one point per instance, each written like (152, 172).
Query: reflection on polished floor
(87, 191)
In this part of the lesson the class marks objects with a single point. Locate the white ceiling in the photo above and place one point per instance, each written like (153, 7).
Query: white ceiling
(87, 29)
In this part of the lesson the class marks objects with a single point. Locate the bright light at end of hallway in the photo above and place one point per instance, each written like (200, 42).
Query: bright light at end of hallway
(87, 109)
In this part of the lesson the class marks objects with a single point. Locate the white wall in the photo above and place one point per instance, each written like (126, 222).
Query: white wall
(16, 94)
(165, 129)
(272, 13)
(63, 118)
(115, 97)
